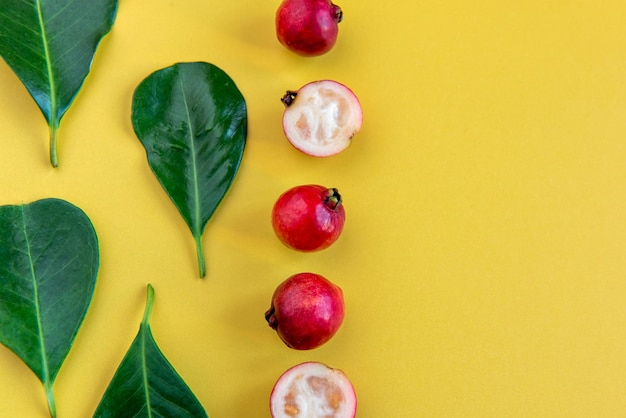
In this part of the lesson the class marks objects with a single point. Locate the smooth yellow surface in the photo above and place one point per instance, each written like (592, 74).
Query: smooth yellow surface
(484, 256)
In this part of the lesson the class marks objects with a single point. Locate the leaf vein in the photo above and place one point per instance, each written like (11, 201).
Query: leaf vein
(144, 370)
(53, 93)
(194, 163)
(44, 359)
(60, 11)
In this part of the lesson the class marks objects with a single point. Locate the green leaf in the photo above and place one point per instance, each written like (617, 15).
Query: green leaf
(50, 45)
(49, 262)
(145, 384)
(192, 120)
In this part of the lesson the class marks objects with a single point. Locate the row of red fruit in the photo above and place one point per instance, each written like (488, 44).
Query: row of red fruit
(307, 309)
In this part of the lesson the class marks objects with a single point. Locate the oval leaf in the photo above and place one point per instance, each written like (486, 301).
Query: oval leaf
(192, 120)
(145, 384)
(50, 45)
(49, 261)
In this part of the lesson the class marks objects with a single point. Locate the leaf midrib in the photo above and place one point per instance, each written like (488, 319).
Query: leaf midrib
(44, 359)
(144, 372)
(196, 229)
(53, 93)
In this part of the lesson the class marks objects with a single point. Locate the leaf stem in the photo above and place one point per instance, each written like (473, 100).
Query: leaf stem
(149, 303)
(52, 407)
(54, 159)
(200, 251)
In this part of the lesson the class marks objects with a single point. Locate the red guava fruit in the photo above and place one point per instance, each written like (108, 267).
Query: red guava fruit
(306, 311)
(321, 117)
(308, 217)
(308, 27)
(313, 389)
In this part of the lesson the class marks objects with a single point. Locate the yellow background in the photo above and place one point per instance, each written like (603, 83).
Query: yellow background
(484, 256)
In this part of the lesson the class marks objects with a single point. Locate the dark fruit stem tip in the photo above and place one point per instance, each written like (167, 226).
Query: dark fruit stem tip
(337, 13)
(270, 318)
(288, 98)
(332, 199)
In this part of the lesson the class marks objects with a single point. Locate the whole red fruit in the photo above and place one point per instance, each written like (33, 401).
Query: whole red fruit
(308, 27)
(306, 310)
(309, 217)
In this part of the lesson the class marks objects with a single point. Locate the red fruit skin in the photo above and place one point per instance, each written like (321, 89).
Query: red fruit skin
(309, 217)
(306, 311)
(308, 27)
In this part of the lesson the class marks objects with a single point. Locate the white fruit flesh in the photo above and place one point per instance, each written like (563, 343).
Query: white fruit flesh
(313, 390)
(323, 118)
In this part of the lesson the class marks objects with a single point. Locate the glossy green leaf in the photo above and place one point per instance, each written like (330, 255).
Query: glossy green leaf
(145, 384)
(192, 120)
(50, 45)
(49, 261)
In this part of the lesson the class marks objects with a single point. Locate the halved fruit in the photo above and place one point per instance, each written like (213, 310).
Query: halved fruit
(321, 117)
(313, 390)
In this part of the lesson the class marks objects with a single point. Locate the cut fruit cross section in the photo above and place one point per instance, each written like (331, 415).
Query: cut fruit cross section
(313, 390)
(321, 117)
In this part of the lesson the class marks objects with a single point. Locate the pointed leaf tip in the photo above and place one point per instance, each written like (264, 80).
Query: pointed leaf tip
(145, 384)
(147, 314)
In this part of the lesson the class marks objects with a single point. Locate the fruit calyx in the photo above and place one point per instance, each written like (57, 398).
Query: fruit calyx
(332, 200)
(289, 97)
(337, 13)
(271, 318)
